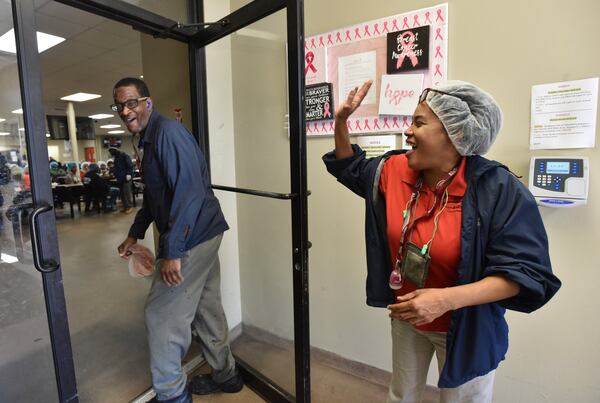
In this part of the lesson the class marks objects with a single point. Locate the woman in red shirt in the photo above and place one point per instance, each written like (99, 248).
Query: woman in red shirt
(423, 191)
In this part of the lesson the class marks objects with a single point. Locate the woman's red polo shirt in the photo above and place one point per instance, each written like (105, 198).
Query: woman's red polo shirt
(397, 185)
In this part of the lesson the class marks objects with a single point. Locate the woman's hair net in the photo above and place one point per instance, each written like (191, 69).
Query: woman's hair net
(471, 116)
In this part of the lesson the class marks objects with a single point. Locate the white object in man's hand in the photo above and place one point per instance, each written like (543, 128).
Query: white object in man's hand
(127, 177)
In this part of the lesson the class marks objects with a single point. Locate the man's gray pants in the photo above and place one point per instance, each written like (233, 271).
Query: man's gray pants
(170, 311)
(127, 194)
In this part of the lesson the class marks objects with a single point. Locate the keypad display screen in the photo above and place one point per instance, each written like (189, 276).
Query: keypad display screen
(554, 167)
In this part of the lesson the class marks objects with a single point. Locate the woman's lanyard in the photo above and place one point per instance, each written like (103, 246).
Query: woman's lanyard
(410, 211)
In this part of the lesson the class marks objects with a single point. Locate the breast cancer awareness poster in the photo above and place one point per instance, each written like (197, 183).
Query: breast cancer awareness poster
(334, 54)
(315, 64)
(319, 104)
(408, 50)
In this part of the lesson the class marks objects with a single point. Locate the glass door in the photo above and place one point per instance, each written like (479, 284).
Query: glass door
(35, 352)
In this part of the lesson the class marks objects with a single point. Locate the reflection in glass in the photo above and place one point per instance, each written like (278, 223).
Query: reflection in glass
(26, 367)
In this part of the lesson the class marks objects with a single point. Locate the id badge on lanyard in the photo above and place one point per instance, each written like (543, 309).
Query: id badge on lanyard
(412, 262)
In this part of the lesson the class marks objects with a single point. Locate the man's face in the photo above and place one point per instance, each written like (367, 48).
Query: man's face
(136, 119)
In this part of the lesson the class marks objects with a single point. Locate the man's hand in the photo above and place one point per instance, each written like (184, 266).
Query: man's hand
(421, 306)
(123, 249)
(170, 271)
(355, 97)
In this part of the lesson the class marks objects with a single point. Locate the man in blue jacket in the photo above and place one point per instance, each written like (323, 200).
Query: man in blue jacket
(186, 285)
(124, 175)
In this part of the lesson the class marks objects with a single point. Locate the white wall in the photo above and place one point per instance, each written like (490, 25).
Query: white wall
(221, 142)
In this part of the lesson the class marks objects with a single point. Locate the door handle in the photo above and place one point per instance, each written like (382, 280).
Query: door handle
(38, 260)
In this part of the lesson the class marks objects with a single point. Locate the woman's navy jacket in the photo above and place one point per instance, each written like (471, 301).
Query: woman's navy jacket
(502, 233)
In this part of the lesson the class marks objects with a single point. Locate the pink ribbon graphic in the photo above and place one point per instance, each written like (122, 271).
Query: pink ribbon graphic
(437, 70)
(310, 57)
(405, 24)
(367, 33)
(438, 34)
(407, 50)
(357, 33)
(416, 20)
(395, 25)
(439, 16)
(331, 126)
(316, 127)
(326, 111)
(437, 52)
(305, 45)
(396, 122)
(349, 125)
(321, 41)
(376, 124)
(348, 35)
(385, 27)
(376, 29)
(308, 128)
(405, 121)
(427, 19)
(357, 124)
(385, 123)
(367, 127)
(329, 41)
(312, 43)
(323, 127)
(338, 37)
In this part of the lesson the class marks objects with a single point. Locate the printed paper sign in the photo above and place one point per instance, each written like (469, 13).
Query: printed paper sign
(375, 146)
(315, 66)
(354, 70)
(400, 93)
(319, 105)
(563, 115)
(408, 50)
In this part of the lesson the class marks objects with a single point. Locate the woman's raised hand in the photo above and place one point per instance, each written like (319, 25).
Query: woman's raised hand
(355, 97)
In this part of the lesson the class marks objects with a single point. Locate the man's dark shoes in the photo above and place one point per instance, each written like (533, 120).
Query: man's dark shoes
(205, 385)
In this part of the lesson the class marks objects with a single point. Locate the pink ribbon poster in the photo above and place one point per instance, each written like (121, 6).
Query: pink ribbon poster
(348, 56)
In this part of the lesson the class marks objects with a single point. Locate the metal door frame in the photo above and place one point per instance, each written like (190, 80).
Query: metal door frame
(46, 253)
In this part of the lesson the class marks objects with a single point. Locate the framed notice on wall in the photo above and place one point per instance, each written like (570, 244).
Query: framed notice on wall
(402, 54)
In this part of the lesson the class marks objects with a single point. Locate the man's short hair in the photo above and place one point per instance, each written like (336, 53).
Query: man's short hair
(140, 85)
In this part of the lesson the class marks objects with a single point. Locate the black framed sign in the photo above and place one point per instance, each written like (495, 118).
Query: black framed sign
(408, 50)
(319, 103)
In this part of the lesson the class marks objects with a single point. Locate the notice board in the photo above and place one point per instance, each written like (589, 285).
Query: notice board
(402, 54)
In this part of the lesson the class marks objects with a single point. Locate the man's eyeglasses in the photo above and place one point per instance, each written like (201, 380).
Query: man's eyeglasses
(130, 104)
(426, 91)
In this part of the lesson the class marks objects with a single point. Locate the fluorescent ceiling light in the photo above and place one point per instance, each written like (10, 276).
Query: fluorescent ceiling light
(21, 129)
(19, 111)
(4, 134)
(47, 134)
(44, 41)
(80, 97)
(101, 116)
(2, 120)
(116, 132)
(109, 126)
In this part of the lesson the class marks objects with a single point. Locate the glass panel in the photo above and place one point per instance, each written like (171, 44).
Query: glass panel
(255, 58)
(26, 367)
(173, 9)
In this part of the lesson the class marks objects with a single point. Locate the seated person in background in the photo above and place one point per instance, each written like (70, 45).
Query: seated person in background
(72, 176)
(83, 168)
(98, 190)
(56, 170)
(26, 178)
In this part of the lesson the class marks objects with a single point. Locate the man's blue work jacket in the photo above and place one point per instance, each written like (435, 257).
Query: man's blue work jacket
(502, 233)
(177, 192)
